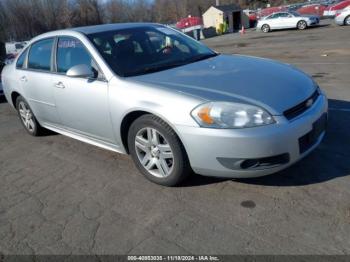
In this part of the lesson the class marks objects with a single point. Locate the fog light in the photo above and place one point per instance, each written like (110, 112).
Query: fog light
(249, 163)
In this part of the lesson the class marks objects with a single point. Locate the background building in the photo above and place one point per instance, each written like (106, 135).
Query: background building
(231, 15)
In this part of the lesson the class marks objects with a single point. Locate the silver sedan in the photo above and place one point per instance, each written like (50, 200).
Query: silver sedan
(167, 100)
(285, 20)
(343, 17)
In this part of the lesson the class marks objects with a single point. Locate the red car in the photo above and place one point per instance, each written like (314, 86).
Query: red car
(314, 9)
(270, 10)
(189, 22)
(332, 10)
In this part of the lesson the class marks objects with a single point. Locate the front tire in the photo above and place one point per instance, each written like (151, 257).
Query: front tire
(157, 151)
(265, 28)
(347, 20)
(27, 117)
(302, 25)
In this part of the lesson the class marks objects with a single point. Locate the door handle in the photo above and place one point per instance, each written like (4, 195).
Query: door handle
(23, 79)
(60, 85)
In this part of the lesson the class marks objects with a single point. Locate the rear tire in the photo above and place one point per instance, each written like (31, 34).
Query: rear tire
(302, 25)
(265, 28)
(27, 117)
(157, 151)
(347, 20)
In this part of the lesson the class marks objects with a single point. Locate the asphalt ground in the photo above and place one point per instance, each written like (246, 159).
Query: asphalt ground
(61, 196)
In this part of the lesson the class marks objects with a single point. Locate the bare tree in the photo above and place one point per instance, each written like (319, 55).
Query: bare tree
(23, 19)
(116, 11)
(86, 12)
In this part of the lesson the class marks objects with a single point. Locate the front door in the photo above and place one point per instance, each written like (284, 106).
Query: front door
(82, 103)
(285, 20)
(274, 21)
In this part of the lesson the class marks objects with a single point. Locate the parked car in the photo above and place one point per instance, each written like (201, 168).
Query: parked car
(283, 20)
(294, 7)
(15, 47)
(174, 105)
(189, 22)
(313, 9)
(331, 10)
(270, 10)
(343, 17)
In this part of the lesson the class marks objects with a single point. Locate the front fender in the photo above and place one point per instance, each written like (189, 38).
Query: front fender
(172, 107)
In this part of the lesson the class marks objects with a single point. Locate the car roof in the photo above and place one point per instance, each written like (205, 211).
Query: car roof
(86, 30)
(109, 27)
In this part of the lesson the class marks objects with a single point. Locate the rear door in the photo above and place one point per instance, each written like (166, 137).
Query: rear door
(82, 103)
(36, 79)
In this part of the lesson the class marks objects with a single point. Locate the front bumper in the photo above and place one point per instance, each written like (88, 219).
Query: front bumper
(210, 150)
(314, 22)
(339, 20)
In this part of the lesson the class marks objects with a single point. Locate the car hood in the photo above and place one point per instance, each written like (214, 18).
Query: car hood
(235, 78)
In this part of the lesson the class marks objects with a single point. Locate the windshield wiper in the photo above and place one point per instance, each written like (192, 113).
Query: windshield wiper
(202, 57)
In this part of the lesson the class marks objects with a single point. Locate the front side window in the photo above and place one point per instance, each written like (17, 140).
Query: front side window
(147, 49)
(71, 52)
(40, 55)
(274, 16)
(21, 59)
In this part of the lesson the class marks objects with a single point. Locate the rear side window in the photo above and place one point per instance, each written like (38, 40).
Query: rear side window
(284, 15)
(274, 16)
(40, 55)
(20, 61)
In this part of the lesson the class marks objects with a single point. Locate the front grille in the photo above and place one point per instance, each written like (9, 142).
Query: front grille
(302, 107)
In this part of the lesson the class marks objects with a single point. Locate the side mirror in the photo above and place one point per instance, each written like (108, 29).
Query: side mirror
(82, 71)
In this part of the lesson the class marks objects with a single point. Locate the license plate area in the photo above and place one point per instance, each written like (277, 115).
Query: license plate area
(309, 139)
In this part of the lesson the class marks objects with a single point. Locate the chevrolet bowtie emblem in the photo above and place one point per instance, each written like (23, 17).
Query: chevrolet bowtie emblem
(309, 102)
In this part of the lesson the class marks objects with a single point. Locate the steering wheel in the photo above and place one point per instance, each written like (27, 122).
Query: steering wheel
(165, 50)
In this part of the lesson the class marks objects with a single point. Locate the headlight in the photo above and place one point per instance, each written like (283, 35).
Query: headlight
(230, 115)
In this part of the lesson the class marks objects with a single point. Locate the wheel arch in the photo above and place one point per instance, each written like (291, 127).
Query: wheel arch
(346, 17)
(265, 24)
(130, 117)
(14, 96)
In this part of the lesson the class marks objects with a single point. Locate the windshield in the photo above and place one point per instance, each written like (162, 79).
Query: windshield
(147, 49)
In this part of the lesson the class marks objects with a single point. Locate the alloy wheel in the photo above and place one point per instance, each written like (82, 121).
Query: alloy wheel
(265, 28)
(154, 152)
(302, 25)
(26, 116)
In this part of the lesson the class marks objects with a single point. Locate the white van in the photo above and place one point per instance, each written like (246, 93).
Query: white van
(15, 47)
